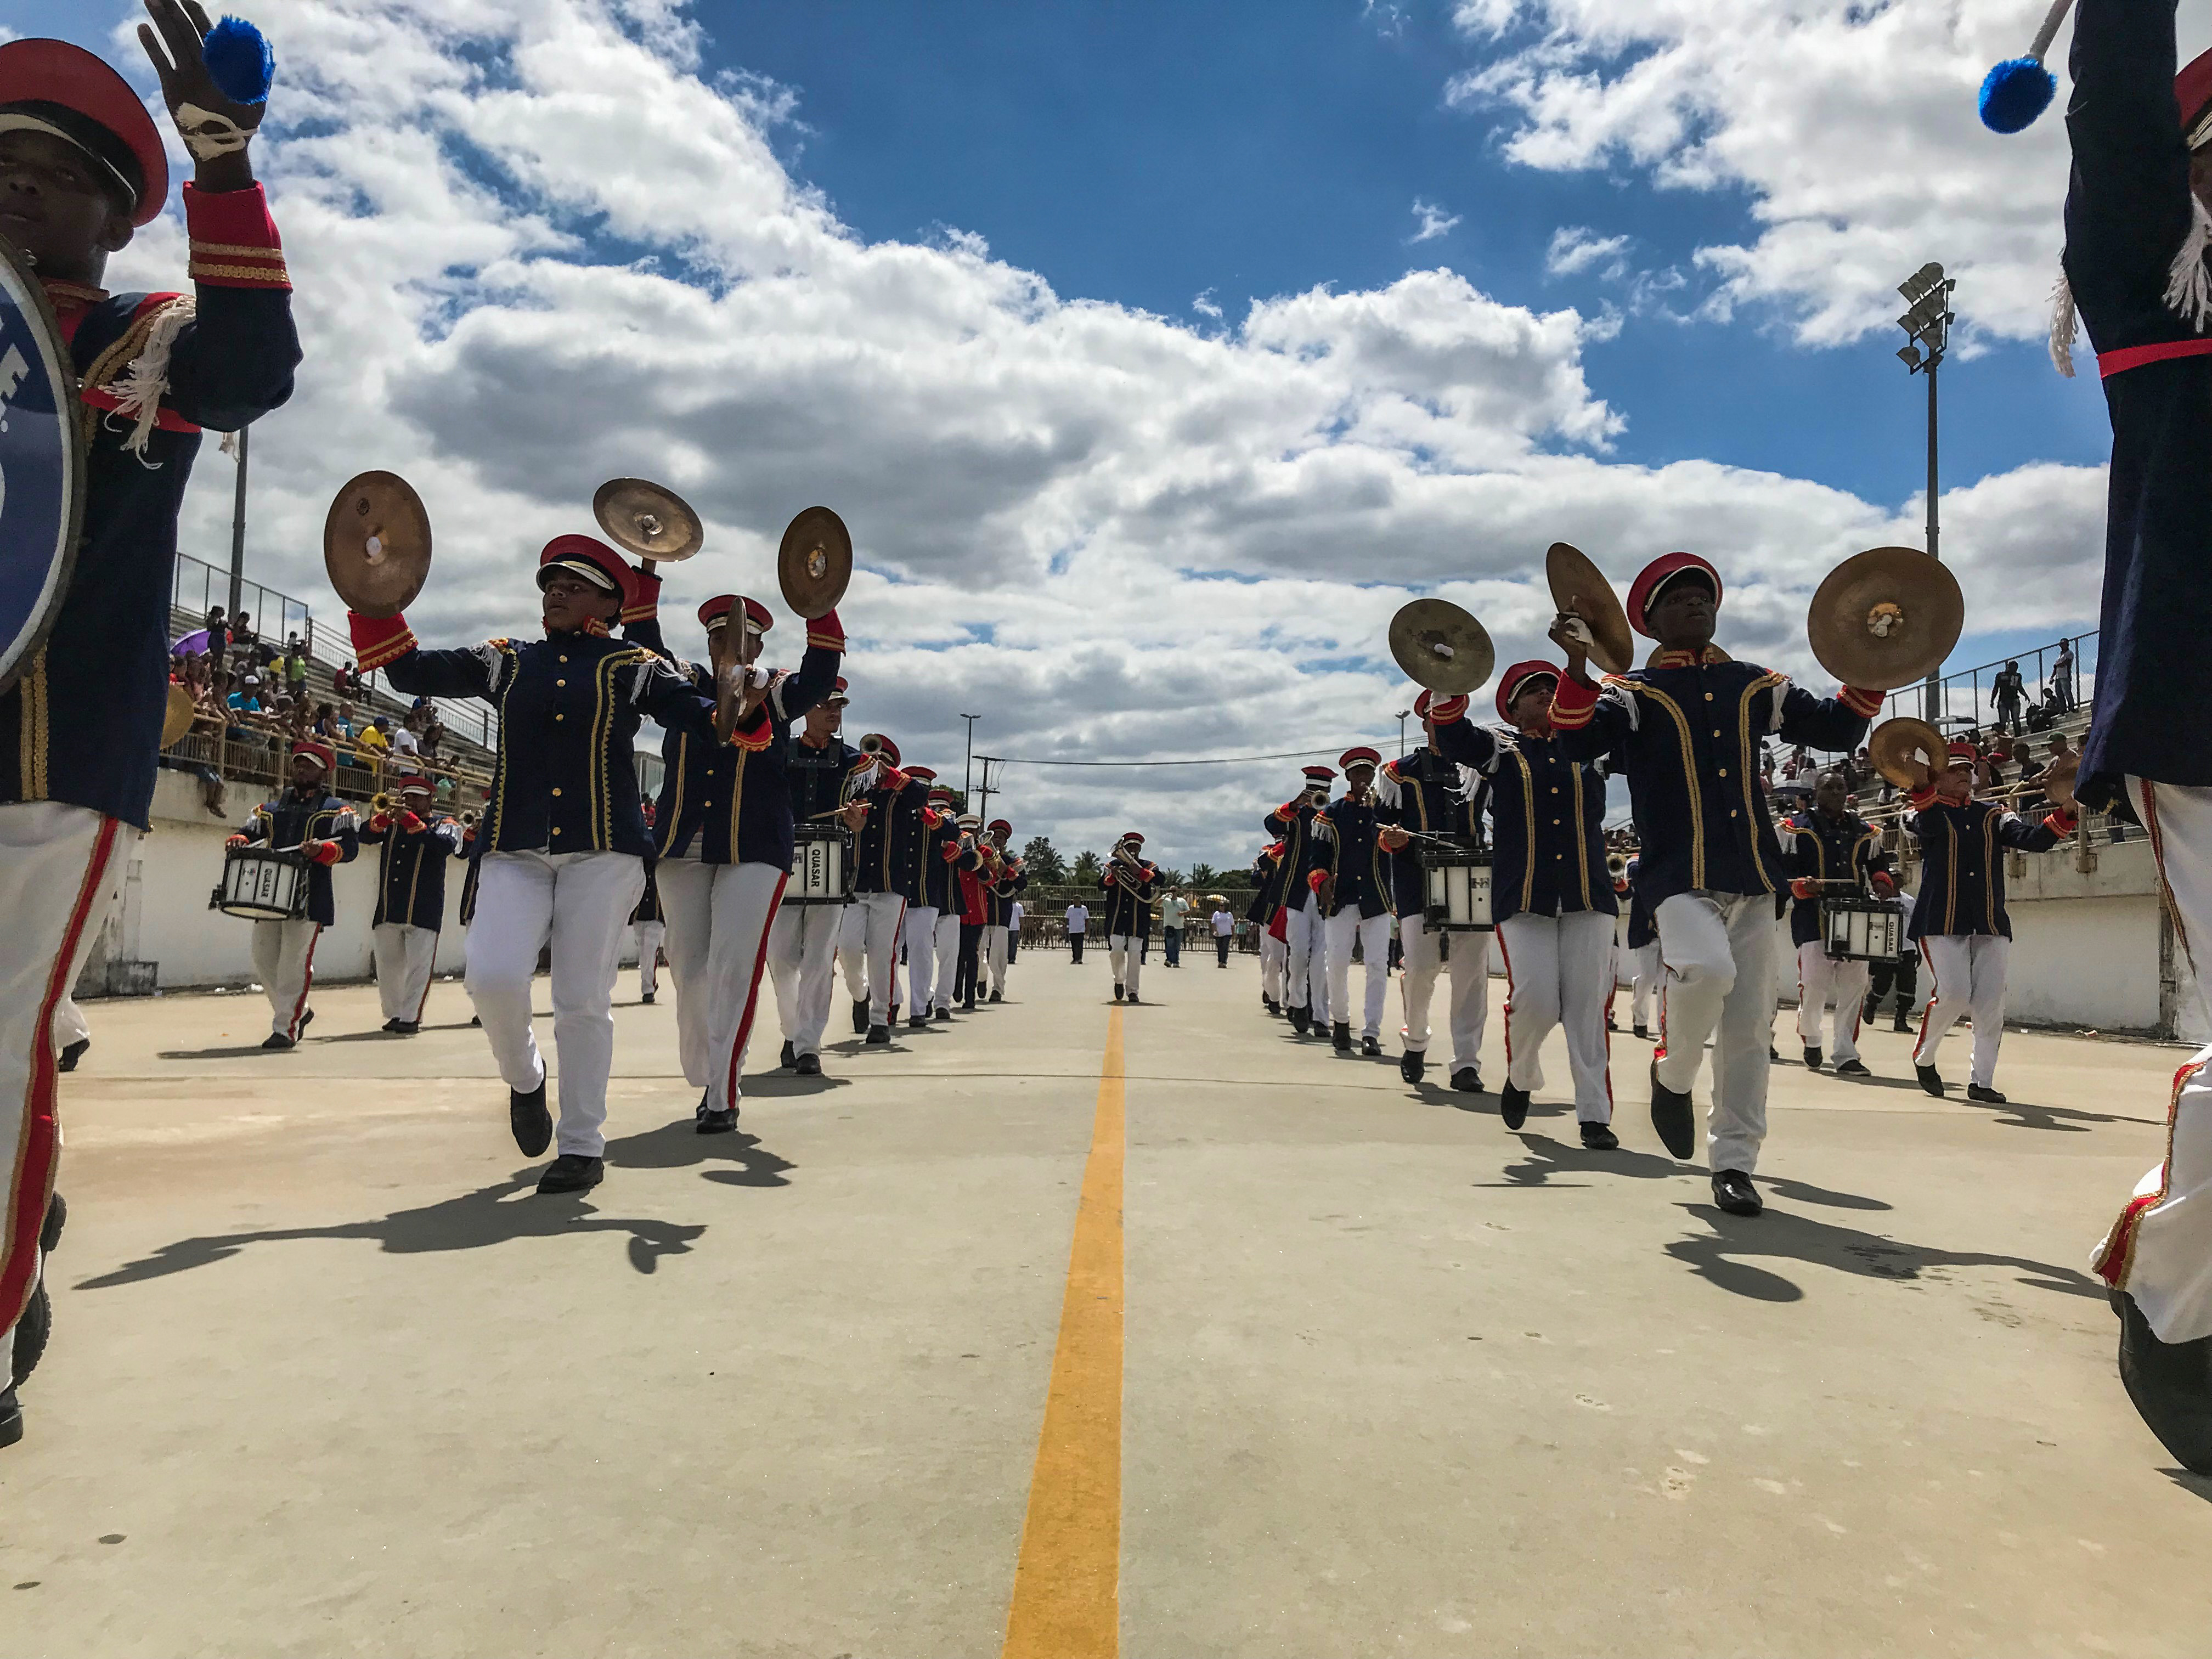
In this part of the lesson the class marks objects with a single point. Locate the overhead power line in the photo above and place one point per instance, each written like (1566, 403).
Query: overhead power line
(1211, 760)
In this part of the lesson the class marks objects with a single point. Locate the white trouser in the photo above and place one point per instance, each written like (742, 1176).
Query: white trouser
(718, 918)
(1468, 1010)
(69, 1025)
(404, 958)
(649, 935)
(1819, 976)
(1556, 970)
(578, 903)
(802, 946)
(1125, 953)
(880, 917)
(947, 952)
(1967, 971)
(853, 950)
(995, 957)
(60, 868)
(284, 960)
(1274, 956)
(1644, 989)
(2160, 1250)
(1373, 933)
(1305, 967)
(1718, 952)
(920, 936)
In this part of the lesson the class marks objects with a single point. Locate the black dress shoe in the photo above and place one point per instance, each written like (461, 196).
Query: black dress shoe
(967, 1007)
(995, 997)
(11, 1417)
(1644, 1031)
(1298, 1020)
(1734, 1193)
(1340, 1036)
(277, 1040)
(31, 1332)
(709, 1122)
(808, 1066)
(1867, 1013)
(1600, 1138)
(878, 1035)
(1117, 993)
(74, 1053)
(306, 1020)
(1929, 1080)
(391, 1024)
(1853, 1069)
(788, 1059)
(859, 1017)
(527, 1117)
(1513, 1106)
(646, 997)
(49, 1231)
(1468, 1080)
(1986, 1096)
(1371, 1047)
(1812, 1059)
(572, 1172)
(1673, 1117)
(476, 1021)
(1410, 1066)
(2170, 1383)
(1131, 997)
(919, 1022)
(1903, 1025)
(405, 1028)
(944, 1014)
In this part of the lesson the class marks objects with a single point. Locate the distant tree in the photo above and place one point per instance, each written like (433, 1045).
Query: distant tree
(1205, 875)
(1044, 862)
(1170, 877)
(1085, 872)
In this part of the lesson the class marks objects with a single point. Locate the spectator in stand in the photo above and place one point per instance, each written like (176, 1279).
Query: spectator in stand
(344, 725)
(218, 635)
(375, 747)
(243, 639)
(2008, 696)
(246, 700)
(406, 736)
(295, 668)
(2062, 677)
(444, 792)
(1766, 765)
(433, 738)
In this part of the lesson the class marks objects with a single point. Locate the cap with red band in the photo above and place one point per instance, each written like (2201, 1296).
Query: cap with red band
(54, 88)
(321, 753)
(588, 557)
(1515, 680)
(1655, 577)
(414, 784)
(1359, 756)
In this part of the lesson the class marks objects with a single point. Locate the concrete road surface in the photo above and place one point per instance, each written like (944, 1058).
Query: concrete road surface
(1343, 1368)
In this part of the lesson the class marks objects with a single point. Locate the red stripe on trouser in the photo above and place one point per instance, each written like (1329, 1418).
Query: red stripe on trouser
(37, 1138)
(752, 992)
(306, 983)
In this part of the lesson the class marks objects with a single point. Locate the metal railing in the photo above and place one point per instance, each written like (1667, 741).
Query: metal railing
(198, 587)
(1963, 698)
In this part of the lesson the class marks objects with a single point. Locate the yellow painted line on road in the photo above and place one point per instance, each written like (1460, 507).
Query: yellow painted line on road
(1068, 1583)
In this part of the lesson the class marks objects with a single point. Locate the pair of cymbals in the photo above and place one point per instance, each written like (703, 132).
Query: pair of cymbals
(813, 565)
(1886, 618)
(1899, 747)
(1442, 648)
(1580, 589)
(376, 543)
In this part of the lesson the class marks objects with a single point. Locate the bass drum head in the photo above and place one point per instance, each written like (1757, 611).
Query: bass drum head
(42, 459)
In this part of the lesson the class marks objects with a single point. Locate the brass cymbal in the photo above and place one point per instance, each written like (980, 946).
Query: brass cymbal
(815, 562)
(1886, 617)
(1579, 585)
(1441, 647)
(1897, 742)
(376, 543)
(177, 717)
(649, 520)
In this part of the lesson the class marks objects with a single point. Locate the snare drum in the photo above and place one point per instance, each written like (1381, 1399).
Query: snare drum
(821, 865)
(262, 885)
(1456, 886)
(1861, 929)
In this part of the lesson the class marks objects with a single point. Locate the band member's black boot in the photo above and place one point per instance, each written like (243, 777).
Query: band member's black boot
(1299, 1019)
(1929, 1080)
(1671, 1116)
(1852, 1068)
(527, 1117)
(572, 1172)
(1340, 1036)
(74, 1053)
(2171, 1383)
(11, 1418)
(1600, 1138)
(1410, 1066)
(878, 1035)
(1983, 1095)
(1468, 1080)
(1117, 993)
(1734, 1193)
(1812, 1059)
(712, 1122)
(1513, 1106)
(789, 1057)
(808, 1066)
(859, 1017)
(1371, 1047)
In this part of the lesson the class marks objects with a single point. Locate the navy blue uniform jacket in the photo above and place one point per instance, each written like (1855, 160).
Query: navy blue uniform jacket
(1962, 881)
(83, 722)
(410, 874)
(1547, 818)
(1357, 861)
(1129, 899)
(2127, 213)
(291, 818)
(1688, 736)
(1847, 848)
(887, 858)
(1306, 850)
(1429, 797)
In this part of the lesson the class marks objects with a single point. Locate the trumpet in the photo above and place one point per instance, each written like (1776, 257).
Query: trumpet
(1616, 864)
(468, 820)
(381, 801)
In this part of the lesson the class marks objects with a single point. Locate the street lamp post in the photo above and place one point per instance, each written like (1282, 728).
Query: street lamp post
(1402, 714)
(968, 767)
(1927, 324)
(238, 527)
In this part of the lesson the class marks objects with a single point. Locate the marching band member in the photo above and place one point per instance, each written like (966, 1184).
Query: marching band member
(932, 969)
(1129, 883)
(81, 168)
(1265, 912)
(968, 893)
(1961, 921)
(725, 828)
(1832, 843)
(886, 813)
(306, 818)
(1356, 899)
(806, 940)
(1642, 953)
(1306, 856)
(1687, 728)
(649, 926)
(2135, 211)
(1000, 895)
(410, 899)
(1424, 791)
(1551, 894)
(564, 841)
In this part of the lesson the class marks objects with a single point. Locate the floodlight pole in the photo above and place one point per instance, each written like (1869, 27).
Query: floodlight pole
(1927, 323)
(1934, 690)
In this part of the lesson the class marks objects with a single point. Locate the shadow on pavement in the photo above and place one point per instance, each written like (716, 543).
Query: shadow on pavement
(491, 1215)
(1722, 1256)
(677, 1145)
(2201, 1485)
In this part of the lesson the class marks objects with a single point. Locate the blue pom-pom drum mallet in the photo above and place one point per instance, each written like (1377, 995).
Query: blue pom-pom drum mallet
(239, 62)
(2019, 89)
